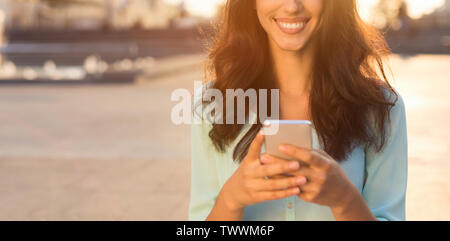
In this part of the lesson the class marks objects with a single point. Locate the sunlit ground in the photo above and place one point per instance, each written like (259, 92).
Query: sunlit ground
(423, 81)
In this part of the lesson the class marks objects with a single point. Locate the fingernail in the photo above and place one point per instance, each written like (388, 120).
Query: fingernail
(294, 165)
(301, 181)
(283, 148)
(296, 191)
(264, 159)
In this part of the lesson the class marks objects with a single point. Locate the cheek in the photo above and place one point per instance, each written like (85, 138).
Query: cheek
(314, 7)
(265, 9)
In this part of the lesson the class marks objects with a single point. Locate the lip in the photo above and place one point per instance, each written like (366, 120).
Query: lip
(296, 24)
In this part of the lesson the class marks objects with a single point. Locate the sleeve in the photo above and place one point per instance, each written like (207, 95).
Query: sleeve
(204, 177)
(386, 171)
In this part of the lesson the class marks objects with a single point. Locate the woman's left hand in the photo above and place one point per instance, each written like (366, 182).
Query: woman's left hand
(326, 183)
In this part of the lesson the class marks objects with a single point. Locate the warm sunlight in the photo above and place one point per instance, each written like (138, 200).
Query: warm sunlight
(204, 8)
(417, 8)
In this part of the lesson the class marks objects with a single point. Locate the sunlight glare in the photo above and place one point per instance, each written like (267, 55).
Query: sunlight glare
(203, 8)
(417, 8)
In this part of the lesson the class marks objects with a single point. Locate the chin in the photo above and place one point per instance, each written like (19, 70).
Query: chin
(291, 46)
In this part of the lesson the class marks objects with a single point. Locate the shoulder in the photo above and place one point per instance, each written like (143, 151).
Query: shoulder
(396, 120)
(397, 109)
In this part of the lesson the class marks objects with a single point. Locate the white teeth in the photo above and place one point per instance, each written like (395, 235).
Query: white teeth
(292, 25)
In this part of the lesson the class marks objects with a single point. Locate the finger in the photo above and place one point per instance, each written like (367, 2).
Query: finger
(276, 169)
(310, 187)
(304, 170)
(269, 159)
(281, 176)
(275, 195)
(324, 153)
(254, 150)
(308, 173)
(281, 184)
(309, 192)
(309, 156)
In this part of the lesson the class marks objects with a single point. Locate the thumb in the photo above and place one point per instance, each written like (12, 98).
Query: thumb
(254, 151)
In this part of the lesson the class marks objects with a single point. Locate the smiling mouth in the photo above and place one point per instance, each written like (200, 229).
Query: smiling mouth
(291, 25)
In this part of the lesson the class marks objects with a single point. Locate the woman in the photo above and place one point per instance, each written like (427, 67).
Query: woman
(327, 65)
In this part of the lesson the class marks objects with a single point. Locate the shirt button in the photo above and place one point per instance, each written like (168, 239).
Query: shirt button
(290, 205)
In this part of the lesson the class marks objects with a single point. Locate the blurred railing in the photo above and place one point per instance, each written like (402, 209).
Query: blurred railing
(47, 55)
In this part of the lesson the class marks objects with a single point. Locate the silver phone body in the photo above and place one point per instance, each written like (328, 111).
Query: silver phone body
(292, 132)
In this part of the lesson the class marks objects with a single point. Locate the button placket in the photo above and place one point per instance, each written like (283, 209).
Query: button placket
(290, 208)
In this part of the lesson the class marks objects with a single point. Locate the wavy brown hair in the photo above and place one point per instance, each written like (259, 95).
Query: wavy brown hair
(349, 89)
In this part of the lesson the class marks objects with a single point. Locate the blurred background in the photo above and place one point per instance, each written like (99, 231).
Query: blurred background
(85, 85)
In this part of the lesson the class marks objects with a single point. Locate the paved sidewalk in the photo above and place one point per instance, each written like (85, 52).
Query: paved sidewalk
(174, 65)
(107, 152)
(423, 81)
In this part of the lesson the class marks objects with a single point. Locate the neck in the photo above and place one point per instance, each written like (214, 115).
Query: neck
(292, 70)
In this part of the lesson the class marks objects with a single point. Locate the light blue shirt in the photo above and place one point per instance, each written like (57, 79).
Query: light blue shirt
(381, 177)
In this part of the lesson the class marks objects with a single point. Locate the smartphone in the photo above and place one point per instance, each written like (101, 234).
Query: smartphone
(293, 132)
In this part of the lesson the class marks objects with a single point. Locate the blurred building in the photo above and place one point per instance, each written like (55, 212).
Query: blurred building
(2, 26)
(138, 13)
(439, 18)
(86, 14)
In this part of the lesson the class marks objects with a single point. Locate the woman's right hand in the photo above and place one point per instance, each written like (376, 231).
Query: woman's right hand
(249, 185)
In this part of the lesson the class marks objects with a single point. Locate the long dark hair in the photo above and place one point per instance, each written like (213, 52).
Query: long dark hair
(349, 84)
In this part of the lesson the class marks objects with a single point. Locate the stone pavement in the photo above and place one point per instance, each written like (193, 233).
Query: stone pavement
(107, 152)
(423, 81)
(110, 152)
